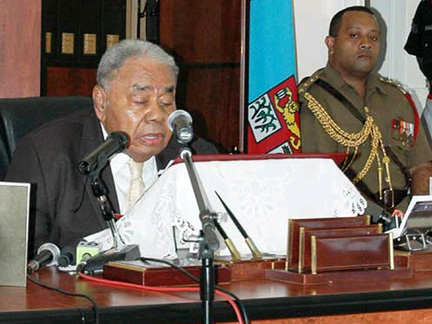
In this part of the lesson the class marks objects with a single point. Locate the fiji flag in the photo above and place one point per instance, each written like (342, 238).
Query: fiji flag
(273, 111)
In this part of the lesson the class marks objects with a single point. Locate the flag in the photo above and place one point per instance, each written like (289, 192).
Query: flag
(273, 121)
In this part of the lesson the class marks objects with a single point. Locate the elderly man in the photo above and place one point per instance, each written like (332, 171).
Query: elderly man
(135, 94)
(347, 107)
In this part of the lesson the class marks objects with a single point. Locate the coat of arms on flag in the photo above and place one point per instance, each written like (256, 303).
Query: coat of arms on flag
(274, 120)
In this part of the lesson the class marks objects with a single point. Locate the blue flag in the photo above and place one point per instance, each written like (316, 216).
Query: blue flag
(273, 110)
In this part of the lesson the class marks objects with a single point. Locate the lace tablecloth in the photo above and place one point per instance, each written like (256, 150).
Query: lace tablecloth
(262, 194)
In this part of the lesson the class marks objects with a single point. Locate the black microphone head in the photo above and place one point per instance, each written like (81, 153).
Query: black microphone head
(121, 138)
(84, 167)
(67, 256)
(116, 142)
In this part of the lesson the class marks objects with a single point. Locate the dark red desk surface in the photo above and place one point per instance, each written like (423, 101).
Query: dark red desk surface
(263, 299)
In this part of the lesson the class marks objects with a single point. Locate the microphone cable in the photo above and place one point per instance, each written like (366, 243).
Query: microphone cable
(94, 307)
(233, 300)
(197, 280)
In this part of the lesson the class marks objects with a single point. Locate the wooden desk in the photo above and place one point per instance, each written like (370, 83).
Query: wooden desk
(401, 301)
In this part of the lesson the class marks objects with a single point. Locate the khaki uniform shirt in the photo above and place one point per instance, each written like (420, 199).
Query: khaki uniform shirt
(391, 112)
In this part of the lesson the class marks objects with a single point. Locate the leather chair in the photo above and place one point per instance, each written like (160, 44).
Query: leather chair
(20, 116)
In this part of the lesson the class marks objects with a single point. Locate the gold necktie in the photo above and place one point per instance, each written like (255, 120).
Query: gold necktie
(136, 183)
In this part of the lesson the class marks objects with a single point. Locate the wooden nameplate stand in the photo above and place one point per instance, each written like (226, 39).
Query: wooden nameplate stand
(418, 260)
(323, 251)
(141, 273)
(249, 268)
(339, 276)
(295, 227)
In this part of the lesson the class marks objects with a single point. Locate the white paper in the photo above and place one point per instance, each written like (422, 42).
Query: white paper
(414, 203)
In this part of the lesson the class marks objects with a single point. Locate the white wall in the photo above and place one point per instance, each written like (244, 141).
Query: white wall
(399, 64)
(312, 19)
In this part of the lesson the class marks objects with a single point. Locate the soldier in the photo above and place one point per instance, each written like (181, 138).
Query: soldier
(347, 107)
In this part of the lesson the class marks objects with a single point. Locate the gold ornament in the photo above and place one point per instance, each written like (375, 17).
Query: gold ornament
(352, 141)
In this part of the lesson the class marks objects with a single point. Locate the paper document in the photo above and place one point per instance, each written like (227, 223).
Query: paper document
(418, 215)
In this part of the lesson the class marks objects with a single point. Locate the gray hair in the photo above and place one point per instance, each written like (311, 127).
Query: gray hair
(115, 56)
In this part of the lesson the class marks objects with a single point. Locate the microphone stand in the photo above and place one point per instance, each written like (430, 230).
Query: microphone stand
(100, 191)
(208, 240)
(119, 251)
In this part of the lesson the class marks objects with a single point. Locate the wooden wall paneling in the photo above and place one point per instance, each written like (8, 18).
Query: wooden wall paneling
(211, 95)
(65, 81)
(20, 41)
(205, 37)
(201, 31)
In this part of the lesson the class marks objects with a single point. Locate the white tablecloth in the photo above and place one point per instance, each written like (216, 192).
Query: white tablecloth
(263, 194)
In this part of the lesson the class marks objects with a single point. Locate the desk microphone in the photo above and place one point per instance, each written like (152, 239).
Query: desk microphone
(116, 142)
(180, 123)
(67, 256)
(96, 263)
(47, 255)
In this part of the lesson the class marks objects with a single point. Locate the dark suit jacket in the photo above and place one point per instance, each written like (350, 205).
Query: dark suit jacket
(63, 207)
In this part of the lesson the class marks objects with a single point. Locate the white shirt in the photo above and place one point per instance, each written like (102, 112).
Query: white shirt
(121, 175)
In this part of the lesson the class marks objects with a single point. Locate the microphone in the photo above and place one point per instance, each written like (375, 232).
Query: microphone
(180, 123)
(67, 256)
(96, 263)
(47, 255)
(116, 142)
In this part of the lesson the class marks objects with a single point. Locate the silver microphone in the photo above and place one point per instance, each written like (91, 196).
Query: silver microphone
(180, 123)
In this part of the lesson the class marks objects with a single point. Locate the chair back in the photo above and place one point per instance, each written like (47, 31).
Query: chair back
(20, 116)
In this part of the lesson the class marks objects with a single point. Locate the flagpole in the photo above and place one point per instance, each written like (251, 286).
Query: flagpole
(243, 76)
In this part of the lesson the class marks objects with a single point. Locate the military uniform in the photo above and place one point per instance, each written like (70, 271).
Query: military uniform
(391, 112)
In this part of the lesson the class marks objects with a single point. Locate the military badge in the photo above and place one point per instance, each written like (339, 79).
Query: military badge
(402, 131)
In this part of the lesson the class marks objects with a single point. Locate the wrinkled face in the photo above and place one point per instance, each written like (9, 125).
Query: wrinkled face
(138, 101)
(354, 51)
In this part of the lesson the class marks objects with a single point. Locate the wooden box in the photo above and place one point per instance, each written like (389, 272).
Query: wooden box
(294, 226)
(339, 276)
(351, 253)
(249, 268)
(149, 274)
(306, 235)
(418, 261)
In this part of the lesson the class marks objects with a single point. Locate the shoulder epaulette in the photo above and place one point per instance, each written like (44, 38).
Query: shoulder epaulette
(307, 82)
(407, 95)
(393, 82)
